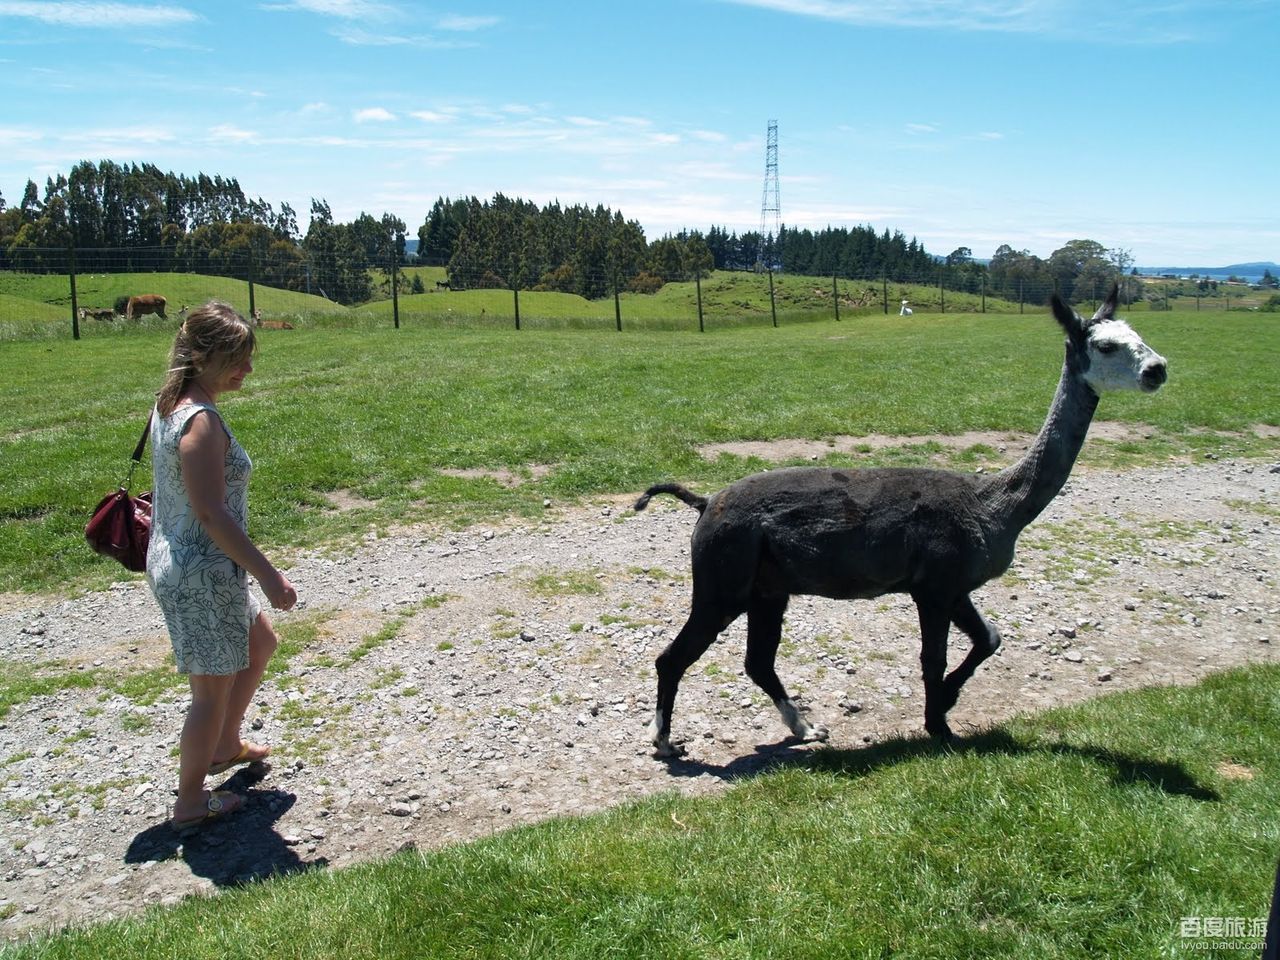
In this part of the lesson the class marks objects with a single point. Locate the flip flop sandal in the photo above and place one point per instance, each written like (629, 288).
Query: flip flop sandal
(216, 806)
(242, 757)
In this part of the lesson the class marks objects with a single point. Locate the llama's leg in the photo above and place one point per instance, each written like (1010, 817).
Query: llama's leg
(986, 641)
(698, 633)
(764, 633)
(935, 623)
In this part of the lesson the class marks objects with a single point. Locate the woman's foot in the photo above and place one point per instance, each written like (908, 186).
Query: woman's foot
(214, 804)
(248, 753)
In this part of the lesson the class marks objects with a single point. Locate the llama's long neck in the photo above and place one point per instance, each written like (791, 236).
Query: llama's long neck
(1021, 492)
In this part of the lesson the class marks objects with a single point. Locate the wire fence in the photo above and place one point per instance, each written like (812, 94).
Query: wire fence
(49, 291)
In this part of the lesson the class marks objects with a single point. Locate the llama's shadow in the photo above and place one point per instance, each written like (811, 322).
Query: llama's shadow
(234, 851)
(767, 757)
(1123, 769)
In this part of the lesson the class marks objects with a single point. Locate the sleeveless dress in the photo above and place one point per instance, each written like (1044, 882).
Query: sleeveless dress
(202, 592)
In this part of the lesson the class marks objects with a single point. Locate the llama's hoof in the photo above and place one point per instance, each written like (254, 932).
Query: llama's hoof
(942, 735)
(666, 750)
(818, 734)
(948, 740)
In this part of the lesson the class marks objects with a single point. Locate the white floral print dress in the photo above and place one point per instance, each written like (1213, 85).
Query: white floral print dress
(202, 592)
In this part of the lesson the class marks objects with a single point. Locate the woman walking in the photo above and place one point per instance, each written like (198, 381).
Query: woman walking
(200, 552)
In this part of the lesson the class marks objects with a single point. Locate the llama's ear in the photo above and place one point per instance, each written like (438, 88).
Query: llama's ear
(1067, 318)
(1108, 308)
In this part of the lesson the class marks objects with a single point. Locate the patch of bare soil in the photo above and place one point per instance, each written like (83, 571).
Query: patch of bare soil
(507, 478)
(1003, 442)
(445, 686)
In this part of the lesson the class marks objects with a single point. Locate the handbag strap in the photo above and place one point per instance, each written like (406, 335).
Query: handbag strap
(137, 453)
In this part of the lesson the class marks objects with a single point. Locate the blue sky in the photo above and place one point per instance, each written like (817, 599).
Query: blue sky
(1147, 125)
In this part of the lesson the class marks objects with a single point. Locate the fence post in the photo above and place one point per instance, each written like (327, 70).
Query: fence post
(942, 295)
(395, 291)
(617, 305)
(252, 309)
(515, 292)
(984, 293)
(885, 281)
(697, 281)
(75, 306)
(773, 305)
(1020, 295)
(835, 296)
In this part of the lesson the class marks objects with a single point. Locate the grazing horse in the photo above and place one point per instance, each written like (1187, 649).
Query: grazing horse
(133, 307)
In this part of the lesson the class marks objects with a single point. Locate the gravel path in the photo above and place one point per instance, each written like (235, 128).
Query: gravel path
(453, 685)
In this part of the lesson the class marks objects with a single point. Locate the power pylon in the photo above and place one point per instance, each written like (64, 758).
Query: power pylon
(770, 204)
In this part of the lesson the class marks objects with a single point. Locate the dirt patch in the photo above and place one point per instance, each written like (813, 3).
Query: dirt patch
(1235, 771)
(1004, 442)
(345, 501)
(504, 477)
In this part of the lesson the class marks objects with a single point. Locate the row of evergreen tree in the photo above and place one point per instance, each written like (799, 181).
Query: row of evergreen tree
(134, 217)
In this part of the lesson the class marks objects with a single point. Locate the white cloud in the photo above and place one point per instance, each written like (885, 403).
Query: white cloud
(343, 9)
(921, 128)
(466, 24)
(1145, 21)
(357, 37)
(373, 115)
(129, 135)
(584, 122)
(432, 116)
(709, 136)
(225, 131)
(78, 13)
(12, 136)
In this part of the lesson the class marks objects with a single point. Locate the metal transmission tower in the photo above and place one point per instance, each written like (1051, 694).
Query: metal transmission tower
(770, 204)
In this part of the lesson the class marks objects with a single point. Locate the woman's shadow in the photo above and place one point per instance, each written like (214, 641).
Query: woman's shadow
(238, 849)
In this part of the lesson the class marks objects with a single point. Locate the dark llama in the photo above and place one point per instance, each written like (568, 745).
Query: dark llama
(855, 534)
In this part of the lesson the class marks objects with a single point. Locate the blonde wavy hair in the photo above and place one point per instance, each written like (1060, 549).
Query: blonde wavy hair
(213, 338)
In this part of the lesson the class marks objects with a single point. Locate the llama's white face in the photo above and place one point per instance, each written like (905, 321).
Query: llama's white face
(1120, 360)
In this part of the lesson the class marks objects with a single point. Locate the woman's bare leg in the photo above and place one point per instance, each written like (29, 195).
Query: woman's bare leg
(200, 732)
(262, 644)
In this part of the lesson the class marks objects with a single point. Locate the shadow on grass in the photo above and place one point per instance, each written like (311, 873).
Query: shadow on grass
(234, 851)
(1124, 770)
(1170, 778)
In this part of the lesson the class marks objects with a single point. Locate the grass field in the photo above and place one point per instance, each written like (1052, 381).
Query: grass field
(1084, 832)
(38, 306)
(1091, 831)
(380, 413)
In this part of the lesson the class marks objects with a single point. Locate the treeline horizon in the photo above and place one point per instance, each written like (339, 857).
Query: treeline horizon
(116, 216)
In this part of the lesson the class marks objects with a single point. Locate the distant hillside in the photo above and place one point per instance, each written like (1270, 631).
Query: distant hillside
(1245, 271)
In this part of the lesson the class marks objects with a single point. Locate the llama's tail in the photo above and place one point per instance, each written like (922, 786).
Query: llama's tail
(688, 496)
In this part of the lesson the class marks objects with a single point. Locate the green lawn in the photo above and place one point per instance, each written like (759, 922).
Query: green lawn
(1090, 831)
(38, 305)
(380, 412)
